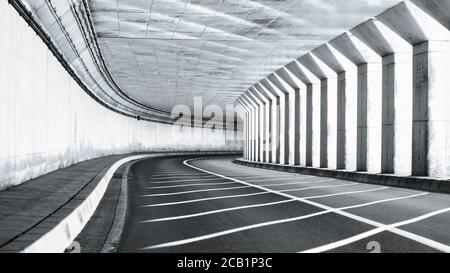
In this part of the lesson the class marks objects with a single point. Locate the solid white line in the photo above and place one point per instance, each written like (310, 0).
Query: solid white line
(202, 199)
(383, 200)
(346, 193)
(275, 179)
(319, 187)
(179, 174)
(185, 176)
(397, 231)
(194, 191)
(296, 183)
(188, 185)
(216, 211)
(436, 245)
(184, 180)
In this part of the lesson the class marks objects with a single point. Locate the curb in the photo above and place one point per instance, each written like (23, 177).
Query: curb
(61, 236)
(410, 182)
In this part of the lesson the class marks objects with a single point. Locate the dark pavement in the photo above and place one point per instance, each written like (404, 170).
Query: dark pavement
(213, 205)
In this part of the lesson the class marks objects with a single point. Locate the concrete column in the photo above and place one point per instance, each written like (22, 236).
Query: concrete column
(261, 122)
(241, 113)
(245, 118)
(396, 117)
(427, 30)
(368, 152)
(265, 124)
(297, 78)
(271, 121)
(282, 99)
(340, 119)
(276, 130)
(431, 103)
(291, 117)
(254, 125)
(312, 137)
(250, 128)
(309, 124)
(362, 94)
(322, 119)
(295, 127)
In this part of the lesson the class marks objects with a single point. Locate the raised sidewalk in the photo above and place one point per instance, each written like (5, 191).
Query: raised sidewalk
(45, 214)
(411, 182)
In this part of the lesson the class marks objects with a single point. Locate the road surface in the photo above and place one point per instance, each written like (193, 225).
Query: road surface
(185, 204)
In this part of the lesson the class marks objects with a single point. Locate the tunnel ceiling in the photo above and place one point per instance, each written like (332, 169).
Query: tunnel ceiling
(165, 52)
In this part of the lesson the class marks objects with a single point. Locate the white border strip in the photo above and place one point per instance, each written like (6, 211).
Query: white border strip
(62, 235)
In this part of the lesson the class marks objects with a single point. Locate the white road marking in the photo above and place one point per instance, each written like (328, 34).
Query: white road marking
(345, 193)
(216, 211)
(234, 230)
(188, 185)
(231, 188)
(230, 231)
(202, 199)
(179, 174)
(275, 203)
(397, 231)
(383, 201)
(296, 183)
(320, 187)
(194, 191)
(436, 245)
(275, 179)
(184, 180)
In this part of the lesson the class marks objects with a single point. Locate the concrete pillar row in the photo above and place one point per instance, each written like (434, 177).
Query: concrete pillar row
(426, 32)
(249, 140)
(325, 102)
(247, 128)
(265, 123)
(343, 80)
(244, 115)
(293, 89)
(293, 74)
(312, 117)
(291, 124)
(272, 123)
(283, 117)
(254, 126)
(362, 104)
(396, 95)
(260, 90)
(261, 123)
(277, 107)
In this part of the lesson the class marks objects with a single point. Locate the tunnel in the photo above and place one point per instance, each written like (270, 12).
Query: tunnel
(224, 126)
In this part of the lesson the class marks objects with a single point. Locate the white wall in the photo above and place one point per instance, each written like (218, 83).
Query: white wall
(48, 122)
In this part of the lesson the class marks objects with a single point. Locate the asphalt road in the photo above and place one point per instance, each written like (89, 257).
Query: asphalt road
(210, 204)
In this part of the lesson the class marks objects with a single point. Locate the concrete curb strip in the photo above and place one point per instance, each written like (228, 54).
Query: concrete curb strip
(411, 182)
(62, 235)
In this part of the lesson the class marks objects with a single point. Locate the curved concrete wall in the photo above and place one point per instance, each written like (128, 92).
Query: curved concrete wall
(48, 122)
